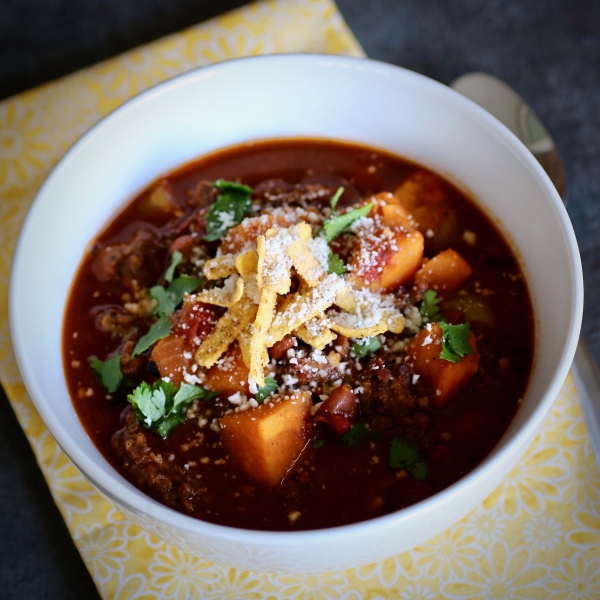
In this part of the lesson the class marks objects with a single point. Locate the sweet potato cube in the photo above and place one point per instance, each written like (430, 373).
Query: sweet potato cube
(402, 265)
(443, 380)
(169, 354)
(267, 440)
(392, 213)
(395, 215)
(444, 273)
(387, 259)
(421, 188)
(230, 374)
(424, 196)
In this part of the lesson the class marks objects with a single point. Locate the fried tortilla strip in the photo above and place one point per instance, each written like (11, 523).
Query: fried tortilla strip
(395, 322)
(244, 338)
(346, 301)
(259, 355)
(247, 263)
(350, 325)
(273, 277)
(315, 333)
(227, 296)
(226, 330)
(274, 266)
(304, 307)
(357, 332)
(366, 313)
(222, 266)
(303, 260)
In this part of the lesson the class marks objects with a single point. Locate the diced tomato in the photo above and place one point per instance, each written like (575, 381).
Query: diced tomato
(183, 244)
(195, 321)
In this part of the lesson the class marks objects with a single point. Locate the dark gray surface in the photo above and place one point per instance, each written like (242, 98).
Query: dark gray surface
(548, 51)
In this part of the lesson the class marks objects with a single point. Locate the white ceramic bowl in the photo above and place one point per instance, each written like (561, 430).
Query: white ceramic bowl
(285, 96)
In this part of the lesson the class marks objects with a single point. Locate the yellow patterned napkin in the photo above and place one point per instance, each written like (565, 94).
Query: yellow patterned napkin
(536, 536)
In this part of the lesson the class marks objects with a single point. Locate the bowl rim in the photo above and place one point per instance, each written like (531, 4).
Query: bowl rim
(122, 490)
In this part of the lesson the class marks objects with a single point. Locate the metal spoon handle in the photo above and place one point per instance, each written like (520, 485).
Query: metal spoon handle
(587, 380)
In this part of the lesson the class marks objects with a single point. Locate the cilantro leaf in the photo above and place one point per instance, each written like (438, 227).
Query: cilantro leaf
(338, 223)
(365, 346)
(228, 210)
(108, 371)
(206, 394)
(335, 264)
(175, 260)
(336, 198)
(264, 392)
(165, 302)
(182, 285)
(455, 338)
(161, 407)
(430, 311)
(455, 341)
(169, 299)
(318, 443)
(161, 329)
(404, 455)
(150, 401)
(355, 435)
(232, 186)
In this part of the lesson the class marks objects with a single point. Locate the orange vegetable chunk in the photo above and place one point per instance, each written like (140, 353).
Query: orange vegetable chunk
(386, 260)
(168, 354)
(401, 266)
(391, 211)
(425, 197)
(230, 374)
(445, 272)
(443, 380)
(267, 440)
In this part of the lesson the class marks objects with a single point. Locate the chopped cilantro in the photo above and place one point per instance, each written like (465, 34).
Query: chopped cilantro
(175, 260)
(405, 456)
(169, 299)
(160, 406)
(165, 302)
(108, 371)
(455, 341)
(455, 338)
(264, 392)
(365, 346)
(338, 223)
(232, 186)
(318, 443)
(430, 311)
(335, 264)
(182, 285)
(356, 434)
(336, 198)
(228, 210)
(161, 329)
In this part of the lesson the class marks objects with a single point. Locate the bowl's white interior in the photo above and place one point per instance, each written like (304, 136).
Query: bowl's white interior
(308, 96)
